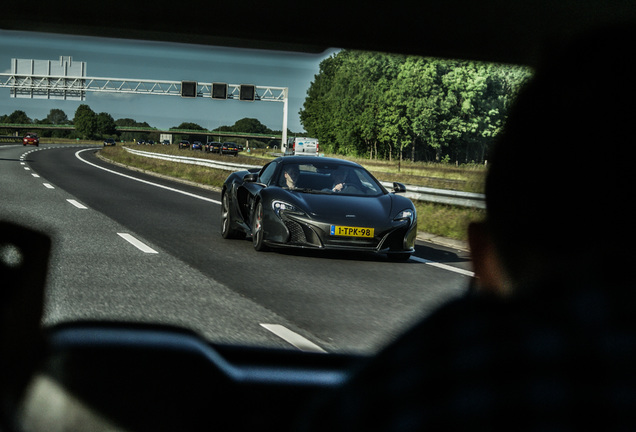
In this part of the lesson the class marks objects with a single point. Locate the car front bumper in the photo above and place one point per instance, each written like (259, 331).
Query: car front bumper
(293, 231)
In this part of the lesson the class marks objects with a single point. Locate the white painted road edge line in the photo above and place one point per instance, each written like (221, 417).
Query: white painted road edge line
(77, 204)
(444, 266)
(136, 243)
(293, 338)
(77, 154)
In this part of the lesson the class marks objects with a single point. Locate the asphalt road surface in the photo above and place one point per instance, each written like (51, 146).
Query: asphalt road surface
(134, 247)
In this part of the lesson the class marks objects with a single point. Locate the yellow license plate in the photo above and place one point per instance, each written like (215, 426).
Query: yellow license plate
(338, 230)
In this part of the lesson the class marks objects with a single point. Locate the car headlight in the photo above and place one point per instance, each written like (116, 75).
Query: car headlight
(284, 207)
(407, 214)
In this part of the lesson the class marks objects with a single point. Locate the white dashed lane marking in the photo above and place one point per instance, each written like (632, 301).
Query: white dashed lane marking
(293, 338)
(136, 243)
(444, 266)
(77, 204)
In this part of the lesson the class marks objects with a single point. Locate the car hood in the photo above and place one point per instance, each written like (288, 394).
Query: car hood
(346, 210)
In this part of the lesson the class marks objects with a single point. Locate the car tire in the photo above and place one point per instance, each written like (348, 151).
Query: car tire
(257, 229)
(226, 219)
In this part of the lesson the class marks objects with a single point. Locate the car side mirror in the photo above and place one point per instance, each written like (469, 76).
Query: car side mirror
(250, 178)
(398, 187)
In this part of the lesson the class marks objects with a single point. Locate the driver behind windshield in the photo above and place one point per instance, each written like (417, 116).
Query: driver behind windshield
(339, 180)
(290, 176)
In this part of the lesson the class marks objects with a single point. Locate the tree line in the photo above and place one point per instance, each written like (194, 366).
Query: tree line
(87, 123)
(396, 106)
(91, 125)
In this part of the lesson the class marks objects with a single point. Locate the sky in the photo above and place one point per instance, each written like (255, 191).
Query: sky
(120, 58)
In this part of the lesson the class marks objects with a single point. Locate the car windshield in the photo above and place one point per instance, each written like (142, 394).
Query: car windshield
(136, 227)
(320, 177)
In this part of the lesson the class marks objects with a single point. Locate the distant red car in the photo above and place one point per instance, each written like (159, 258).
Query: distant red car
(31, 139)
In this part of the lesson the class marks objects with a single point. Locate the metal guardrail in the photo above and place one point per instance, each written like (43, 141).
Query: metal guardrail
(419, 193)
(194, 161)
(10, 139)
(443, 196)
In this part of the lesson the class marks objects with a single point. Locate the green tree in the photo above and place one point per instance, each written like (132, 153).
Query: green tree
(18, 117)
(85, 122)
(188, 126)
(377, 104)
(129, 136)
(128, 122)
(106, 124)
(57, 117)
(250, 125)
(317, 114)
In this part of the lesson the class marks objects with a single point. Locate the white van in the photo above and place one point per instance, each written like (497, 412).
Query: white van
(301, 146)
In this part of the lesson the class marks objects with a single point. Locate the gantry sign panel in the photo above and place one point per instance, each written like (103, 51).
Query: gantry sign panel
(66, 79)
(48, 79)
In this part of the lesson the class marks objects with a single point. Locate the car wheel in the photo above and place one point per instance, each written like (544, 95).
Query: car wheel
(226, 219)
(257, 229)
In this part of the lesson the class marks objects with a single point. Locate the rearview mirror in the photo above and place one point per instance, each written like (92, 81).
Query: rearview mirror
(398, 187)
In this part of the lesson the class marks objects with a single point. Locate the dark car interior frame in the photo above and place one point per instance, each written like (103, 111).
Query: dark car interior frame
(156, 378)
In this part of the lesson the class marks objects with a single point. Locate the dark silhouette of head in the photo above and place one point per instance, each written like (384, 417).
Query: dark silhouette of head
(561, 178)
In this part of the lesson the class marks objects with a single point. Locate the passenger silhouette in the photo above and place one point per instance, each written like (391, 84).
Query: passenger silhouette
(548, 341)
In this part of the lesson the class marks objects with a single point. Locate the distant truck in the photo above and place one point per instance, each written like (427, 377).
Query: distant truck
(165, 139)
(301, 146)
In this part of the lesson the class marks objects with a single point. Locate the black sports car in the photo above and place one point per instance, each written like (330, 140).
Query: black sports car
(317, 202)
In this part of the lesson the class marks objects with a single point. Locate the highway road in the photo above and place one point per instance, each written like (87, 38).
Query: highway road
(130, 246)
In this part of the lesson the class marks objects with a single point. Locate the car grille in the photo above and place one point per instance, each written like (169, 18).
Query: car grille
(296, 233)
(353, 242)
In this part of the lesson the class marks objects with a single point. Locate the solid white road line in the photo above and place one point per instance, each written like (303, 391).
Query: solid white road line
(293, 338)
(136, 243)
(145, 181)
(444, 266)
(77, 204)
